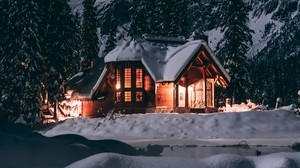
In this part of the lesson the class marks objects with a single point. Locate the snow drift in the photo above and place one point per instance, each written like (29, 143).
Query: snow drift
(279, 160)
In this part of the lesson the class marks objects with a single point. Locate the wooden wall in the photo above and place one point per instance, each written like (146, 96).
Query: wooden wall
(98, 107)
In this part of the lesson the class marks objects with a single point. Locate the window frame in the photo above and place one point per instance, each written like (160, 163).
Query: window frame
(135, 88)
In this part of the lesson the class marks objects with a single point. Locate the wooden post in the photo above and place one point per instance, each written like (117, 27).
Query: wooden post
(204, 86)
(176, 102)
(186, 92)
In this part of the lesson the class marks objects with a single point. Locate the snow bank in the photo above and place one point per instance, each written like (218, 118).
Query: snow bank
(279, 124)
(279, 160)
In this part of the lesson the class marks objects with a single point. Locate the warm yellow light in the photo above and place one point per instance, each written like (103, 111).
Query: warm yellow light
(118, 86)
(68, 94)
(191, 88)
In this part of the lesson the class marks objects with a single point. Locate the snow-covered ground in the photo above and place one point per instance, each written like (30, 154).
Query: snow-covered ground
(213, 136)
(275, 124)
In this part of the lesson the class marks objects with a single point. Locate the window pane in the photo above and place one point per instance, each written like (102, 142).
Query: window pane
(127, 78)
(139, 96)
(118, 82)
(127, 96)
(139, 78)
(118, 96)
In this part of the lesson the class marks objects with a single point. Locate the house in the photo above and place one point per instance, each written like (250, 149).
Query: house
(150, 74)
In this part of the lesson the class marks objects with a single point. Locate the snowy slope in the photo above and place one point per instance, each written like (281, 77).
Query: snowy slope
(266, 19)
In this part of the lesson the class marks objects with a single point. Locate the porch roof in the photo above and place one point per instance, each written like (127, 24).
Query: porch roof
(164, 61)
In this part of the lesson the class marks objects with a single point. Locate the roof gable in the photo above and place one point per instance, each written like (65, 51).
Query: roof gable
(85, 84)
(165, 62)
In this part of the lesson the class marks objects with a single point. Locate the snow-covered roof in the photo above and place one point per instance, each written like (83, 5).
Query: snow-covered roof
(85, 84)
(164, 61)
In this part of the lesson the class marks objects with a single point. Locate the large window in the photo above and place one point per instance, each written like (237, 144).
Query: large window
(139, 96)
(127, 96)
(118, 96)
(127, 76)
(139, 78)
(118, 79)
(129, 84)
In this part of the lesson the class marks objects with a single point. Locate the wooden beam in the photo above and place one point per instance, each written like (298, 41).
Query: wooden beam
(216, 79)
(200, 61)
(175, 95)
(186, 92)
(204, 86)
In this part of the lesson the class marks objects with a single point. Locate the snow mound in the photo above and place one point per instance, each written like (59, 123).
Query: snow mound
(279, 160)
(279, 124)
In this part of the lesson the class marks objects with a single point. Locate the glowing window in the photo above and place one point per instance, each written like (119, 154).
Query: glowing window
(127, 76)
(127, 96)
(118, 79)
(139, 96)
(139, 78)
(118, 96)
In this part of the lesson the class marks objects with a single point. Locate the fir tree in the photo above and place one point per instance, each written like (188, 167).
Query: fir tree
(234, 46)
(111, 16)
(3, 34)
(183, 17)
(162, 21)
(172, 18)
(140, 18)
(60, 49)
(3, 25)
(202, 16)
(114, 10)
(89, 39)
(111, 41)
(169, 18)
(21, 64)
(77, 41)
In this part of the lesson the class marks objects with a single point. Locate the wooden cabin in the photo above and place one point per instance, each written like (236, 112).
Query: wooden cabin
(153, 75)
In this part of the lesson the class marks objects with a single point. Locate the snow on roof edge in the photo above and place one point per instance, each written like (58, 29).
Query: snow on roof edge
(98, 81)
(201, 42)
(149, 70)
(95, 87)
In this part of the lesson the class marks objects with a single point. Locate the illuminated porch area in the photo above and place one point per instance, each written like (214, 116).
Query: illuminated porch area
(182, 97)
(194, 88)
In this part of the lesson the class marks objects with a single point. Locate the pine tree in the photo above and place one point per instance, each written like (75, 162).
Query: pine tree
(21, 64)
(172, 16)
(234, 46)
(140, 18)
(89, 39)
(76, 19)
(111, 40)
(114, 10)
(162, 16)
(3, 25)
(182, 7)
(202, 15)
(3, 29)
(59, 49)
(111, 16)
